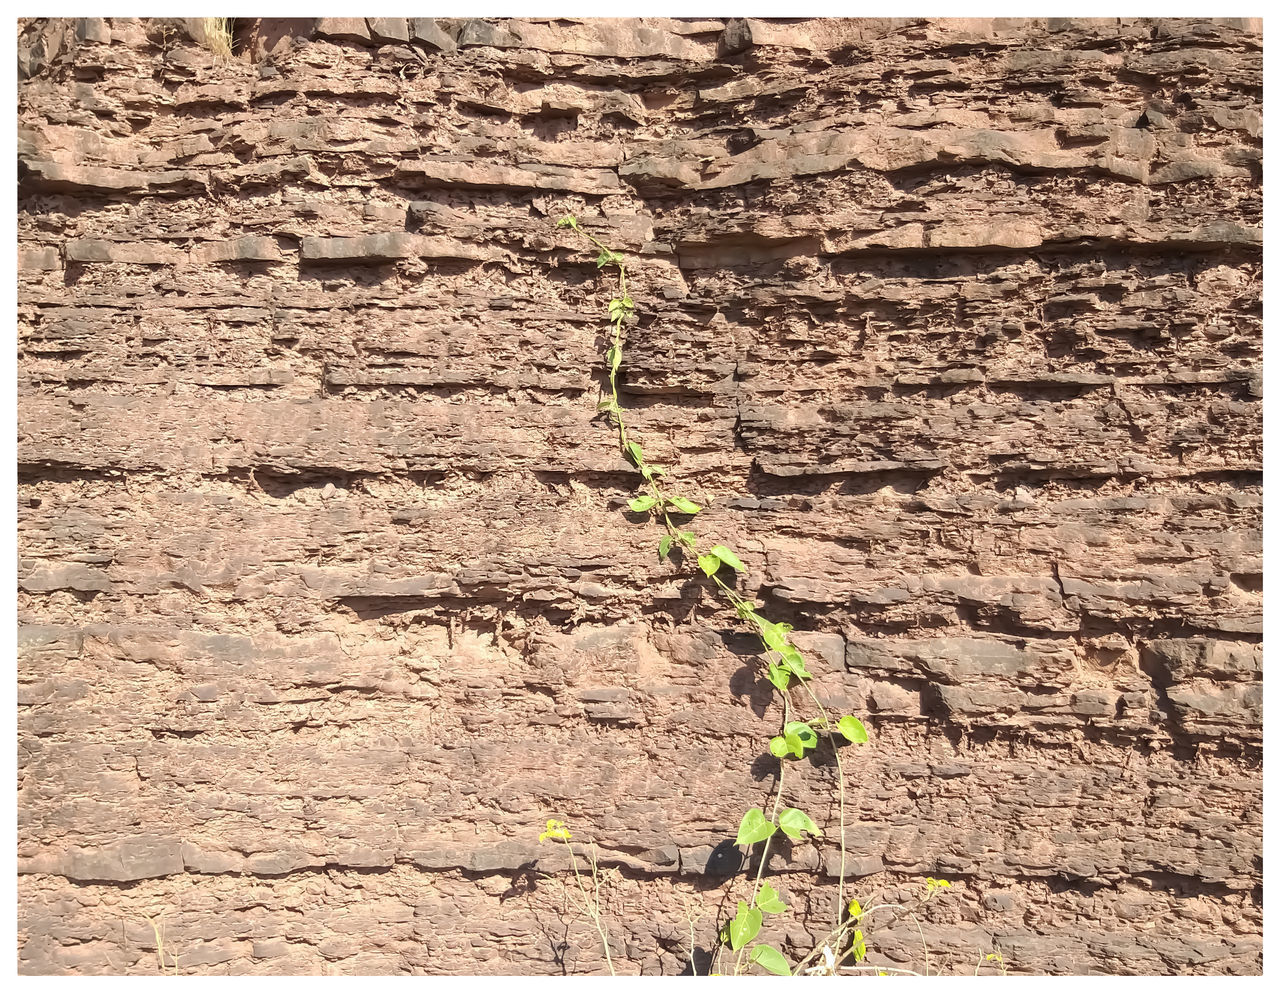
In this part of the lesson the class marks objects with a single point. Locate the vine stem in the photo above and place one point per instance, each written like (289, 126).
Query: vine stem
(592, 908)
(835, 751)
(845, 927)
(764, 852)
(619, 308)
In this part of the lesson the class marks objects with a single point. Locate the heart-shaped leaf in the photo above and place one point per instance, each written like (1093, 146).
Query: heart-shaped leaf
(728, 558)
(768, 900)
(709, 564)
(794, 743)
(640, 504)
(802, 732)
(795, 823)
(794, 662)
(853, 729)
(778, 747)
(744, 926)
(754, 827)
(779, 677)
(683, 505)
(771, 634)
(664, 548)
(770, 959)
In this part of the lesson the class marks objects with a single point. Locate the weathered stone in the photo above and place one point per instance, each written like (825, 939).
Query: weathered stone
(139, 857)
(93, 29)
(388, 29)
(251, 248)
(537, 177)
(57, 176)
(343, 29)
(40, 259)
(954, 329)
(478, 32)
(390, 246)
(736, 37)
(89, 250)
(427, 31)
(42, 41)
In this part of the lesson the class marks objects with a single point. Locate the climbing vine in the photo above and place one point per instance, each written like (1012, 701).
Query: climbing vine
(783, 665)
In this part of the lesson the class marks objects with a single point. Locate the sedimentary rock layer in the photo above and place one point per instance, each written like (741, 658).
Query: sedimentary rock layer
(327, 593)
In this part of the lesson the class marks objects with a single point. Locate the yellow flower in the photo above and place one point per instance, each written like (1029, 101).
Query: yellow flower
(555, 830)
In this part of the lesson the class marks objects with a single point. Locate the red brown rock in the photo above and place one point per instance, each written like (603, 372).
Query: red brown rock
(326, 595)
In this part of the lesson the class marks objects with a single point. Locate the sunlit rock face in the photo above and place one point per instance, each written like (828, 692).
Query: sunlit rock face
(327, 595)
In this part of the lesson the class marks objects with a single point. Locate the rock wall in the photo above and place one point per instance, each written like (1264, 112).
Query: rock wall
(327, 596)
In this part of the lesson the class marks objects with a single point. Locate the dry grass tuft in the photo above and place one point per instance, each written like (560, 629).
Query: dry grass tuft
(215, 34)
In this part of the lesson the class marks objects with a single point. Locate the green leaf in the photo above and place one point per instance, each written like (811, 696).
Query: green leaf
(708, 564)
(614, 355)
(771, 634)
(664, 548)
(688, 539)
(770, 959)
(649, 471)
(641, 504)
(683, 505)
(568, 221)
(859, 946)
(855, 909)
(728, 558)
(778, 747)
(794, 743)
(795, 823)
(803, 733)
(744, 926)
(779, 677)
(754, 827)
(853, 729)
(768, 900)
(794, 661)
(635, 451)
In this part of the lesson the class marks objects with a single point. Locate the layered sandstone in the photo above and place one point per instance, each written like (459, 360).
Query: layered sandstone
(327, 598)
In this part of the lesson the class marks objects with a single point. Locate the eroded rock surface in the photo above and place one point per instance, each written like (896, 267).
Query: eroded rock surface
(327, 599)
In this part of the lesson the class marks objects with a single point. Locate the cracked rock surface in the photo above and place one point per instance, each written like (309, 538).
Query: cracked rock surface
(327, 595)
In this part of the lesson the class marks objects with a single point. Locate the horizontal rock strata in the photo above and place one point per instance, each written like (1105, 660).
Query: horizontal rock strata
(327, 593)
